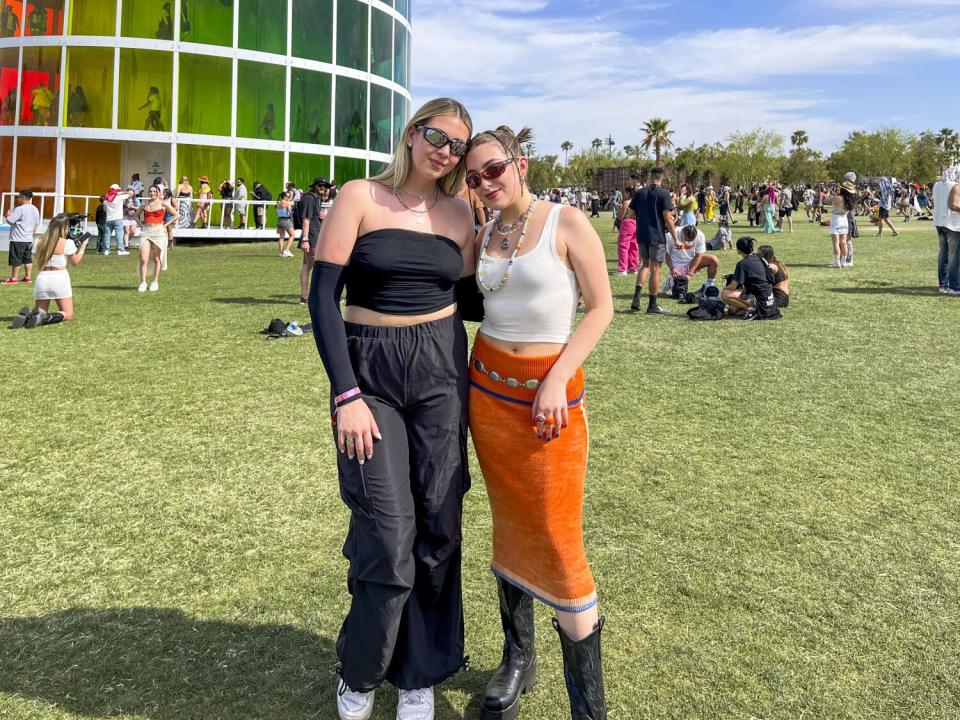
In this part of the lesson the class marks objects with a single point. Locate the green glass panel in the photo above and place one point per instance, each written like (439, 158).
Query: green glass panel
(309, 107)
(147, 19)
(214, 162)
(381, 44)
(351, 113)
(352, 34)
(313, 29)
(146, 81)
(305, 167)
(40, 86)
(380, 118)
(401, 55)
(377, 167)
(346, 169)
(265, 167)
(9, 80)
(263, 26)
(89, 87)
(260, 102)
(204, 105)
(45, 18)
(10, 18)
(93, 17)
(401, 112)
(207, 21)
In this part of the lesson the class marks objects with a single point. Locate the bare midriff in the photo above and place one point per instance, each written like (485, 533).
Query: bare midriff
(530, 349)
(363, 316)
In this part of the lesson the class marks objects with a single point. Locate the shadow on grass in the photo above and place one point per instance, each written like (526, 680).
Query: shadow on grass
(923, 290)
(256, 301)
(124, 288)
(162, 664)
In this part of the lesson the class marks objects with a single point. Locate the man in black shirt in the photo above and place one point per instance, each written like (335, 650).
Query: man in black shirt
(654, 210)
(311, 212)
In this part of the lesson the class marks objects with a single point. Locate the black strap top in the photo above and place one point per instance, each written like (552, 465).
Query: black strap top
(403, 272)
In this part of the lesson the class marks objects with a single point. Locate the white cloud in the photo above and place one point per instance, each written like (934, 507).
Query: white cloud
(580, 78)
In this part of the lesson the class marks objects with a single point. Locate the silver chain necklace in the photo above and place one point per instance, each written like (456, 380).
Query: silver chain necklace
(419, 214)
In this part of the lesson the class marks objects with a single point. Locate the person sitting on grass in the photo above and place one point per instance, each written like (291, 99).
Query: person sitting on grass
(749, 291)
(54, 248)
(723, 238)
(781, 276)
(689, 256)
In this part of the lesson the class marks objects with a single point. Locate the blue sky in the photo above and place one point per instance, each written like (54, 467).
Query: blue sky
(579, 70)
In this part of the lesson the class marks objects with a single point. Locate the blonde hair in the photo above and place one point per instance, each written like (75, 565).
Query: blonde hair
(511, 142)
(398, 170)
(57, 230)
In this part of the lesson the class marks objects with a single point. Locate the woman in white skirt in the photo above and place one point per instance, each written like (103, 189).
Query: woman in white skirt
(53, 252)
(154, 216)
(843, 202)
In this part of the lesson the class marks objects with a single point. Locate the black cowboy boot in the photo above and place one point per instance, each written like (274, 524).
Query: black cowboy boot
(584, 676)
(518, 669)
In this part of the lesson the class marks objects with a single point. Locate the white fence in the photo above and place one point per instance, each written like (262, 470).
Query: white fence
(225, 223)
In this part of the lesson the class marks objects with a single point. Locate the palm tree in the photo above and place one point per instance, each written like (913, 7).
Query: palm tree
(656, 133)
(596, 143)
(949, 142)
(566, 146)
(799, 138)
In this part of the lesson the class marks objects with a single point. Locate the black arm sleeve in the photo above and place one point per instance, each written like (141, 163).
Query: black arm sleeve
(326, 286)
(469, 299)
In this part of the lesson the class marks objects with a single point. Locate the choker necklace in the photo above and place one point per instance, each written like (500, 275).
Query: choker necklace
(414, 195)
(505, 230)
(418, 214)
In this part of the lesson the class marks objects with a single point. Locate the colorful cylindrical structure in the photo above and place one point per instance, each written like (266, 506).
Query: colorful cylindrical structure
(92, 91)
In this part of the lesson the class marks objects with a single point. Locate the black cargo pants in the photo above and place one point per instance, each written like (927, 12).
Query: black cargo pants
(405, 623)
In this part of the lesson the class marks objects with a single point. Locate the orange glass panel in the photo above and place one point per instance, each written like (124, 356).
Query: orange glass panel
(91, 167)
(45, 17)
(6, 164)
(36, 164)
(11, 18)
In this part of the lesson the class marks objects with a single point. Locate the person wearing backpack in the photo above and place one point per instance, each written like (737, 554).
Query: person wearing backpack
(311, 213)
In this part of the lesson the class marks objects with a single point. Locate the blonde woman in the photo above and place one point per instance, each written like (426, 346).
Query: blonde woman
(156, 215)
(397, 364)
(528, 419)
(54, 250)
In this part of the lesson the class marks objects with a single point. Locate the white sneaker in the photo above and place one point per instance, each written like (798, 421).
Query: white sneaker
(951, 291)
(836, 263)
(848, 263)
(122, 252)
(943, 290)
(142, 287)
(286, 253)
(154, 286)
(415, 704)
(620, 274)
(106, 252)
(353, 705)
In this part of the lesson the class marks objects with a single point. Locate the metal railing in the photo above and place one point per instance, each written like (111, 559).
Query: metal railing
(49, 204)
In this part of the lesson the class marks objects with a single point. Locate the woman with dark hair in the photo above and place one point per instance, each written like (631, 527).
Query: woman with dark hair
(749, 291)
(781, 276)
(628, 251)
(536, 261)
(687, 205)
(843, 202)
(397, 363)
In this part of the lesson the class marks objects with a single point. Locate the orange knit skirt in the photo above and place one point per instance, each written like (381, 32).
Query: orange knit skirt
(535, 487)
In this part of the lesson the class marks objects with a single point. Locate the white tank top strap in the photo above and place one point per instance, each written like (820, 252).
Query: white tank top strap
(550, 231)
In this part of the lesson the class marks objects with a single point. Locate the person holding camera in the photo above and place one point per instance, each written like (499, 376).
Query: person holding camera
(749, 290)
(688, 256)
(54, 250)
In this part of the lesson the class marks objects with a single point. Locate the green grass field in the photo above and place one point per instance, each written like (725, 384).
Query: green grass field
(772, 511)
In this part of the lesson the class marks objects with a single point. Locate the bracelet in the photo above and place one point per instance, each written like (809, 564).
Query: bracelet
(339, 399)
(333, 417)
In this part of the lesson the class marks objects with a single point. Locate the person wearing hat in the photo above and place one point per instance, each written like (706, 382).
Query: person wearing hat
(114, 200)
(203, 207)
(311, 214)
(843, 202)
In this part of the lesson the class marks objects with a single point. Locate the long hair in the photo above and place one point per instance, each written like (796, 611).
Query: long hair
(766, 252)
(398, 170)
(57, 229)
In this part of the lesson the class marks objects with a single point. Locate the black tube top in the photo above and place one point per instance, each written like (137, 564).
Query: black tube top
(403, 272)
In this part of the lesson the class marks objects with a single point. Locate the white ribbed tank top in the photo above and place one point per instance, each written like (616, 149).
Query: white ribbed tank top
(539, 301)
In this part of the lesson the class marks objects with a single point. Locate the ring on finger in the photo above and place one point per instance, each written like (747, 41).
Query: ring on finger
(351, 442)
(541, 419)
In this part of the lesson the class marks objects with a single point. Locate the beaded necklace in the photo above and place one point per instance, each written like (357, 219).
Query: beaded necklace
(483, 252)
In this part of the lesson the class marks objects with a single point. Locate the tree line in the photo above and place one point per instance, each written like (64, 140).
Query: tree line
(752, 156)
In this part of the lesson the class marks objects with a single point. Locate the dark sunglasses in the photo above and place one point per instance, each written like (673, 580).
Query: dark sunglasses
(491, 172)
(438, 138)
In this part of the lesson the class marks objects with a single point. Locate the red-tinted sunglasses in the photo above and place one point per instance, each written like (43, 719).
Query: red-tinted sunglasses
(491, 172)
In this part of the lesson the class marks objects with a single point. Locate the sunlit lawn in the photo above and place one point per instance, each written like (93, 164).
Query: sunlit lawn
(772, 511)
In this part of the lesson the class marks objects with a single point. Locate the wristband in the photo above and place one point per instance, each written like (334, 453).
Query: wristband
(342, 398)
(333, 418)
